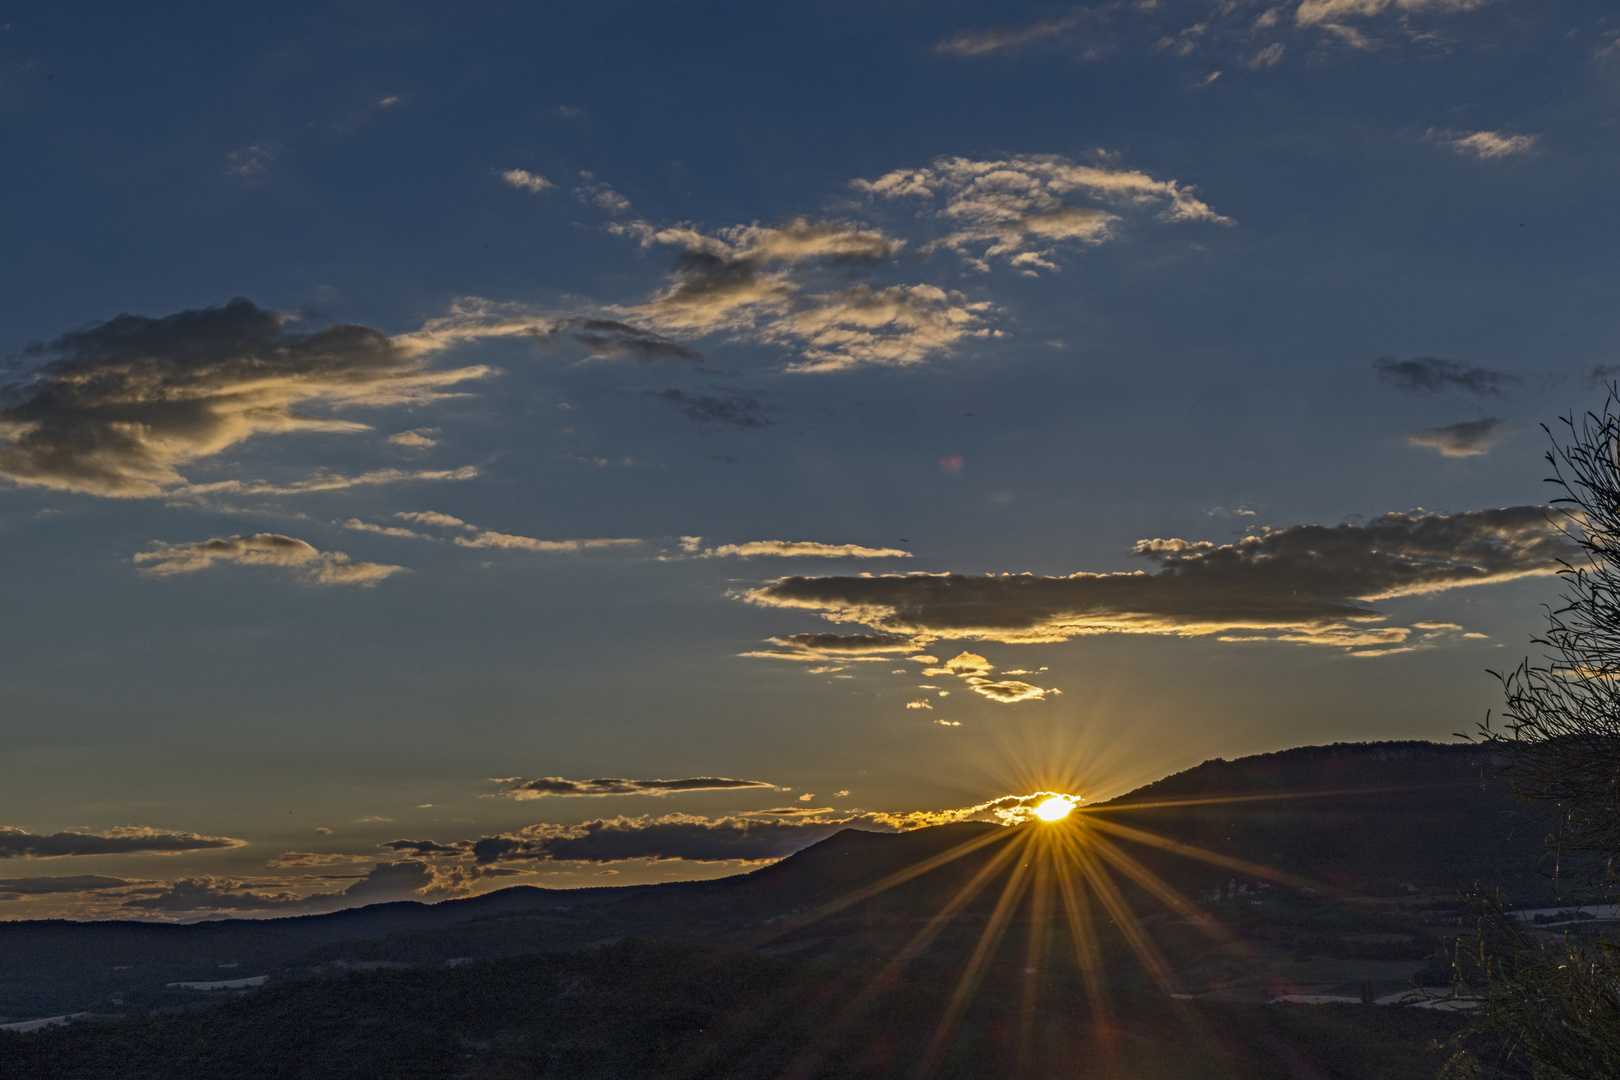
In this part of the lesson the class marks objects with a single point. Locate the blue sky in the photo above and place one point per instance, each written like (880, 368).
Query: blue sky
(584, 350)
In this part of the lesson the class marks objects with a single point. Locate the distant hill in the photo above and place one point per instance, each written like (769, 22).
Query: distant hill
(1370, 820)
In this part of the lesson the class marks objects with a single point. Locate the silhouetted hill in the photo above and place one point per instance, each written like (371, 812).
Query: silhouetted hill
(1385, 834)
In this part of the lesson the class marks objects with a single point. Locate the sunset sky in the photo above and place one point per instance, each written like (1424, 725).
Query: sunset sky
(445, 447)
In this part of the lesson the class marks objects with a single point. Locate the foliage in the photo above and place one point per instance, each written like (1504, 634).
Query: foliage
(1556, 999)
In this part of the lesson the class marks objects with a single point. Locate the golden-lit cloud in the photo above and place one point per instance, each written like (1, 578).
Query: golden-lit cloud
(416, 438)
(746, 281)
(18, 843)
(1318, 12)
(1467, 439)
(548, 786)
(1487, 145)
(311, 565)
(119, 406)
(979, 42)
(485, 538)
(791, 549)
(524, 180)
(975, 671)
(1016, 210)
(818, 648)
(1306, 584)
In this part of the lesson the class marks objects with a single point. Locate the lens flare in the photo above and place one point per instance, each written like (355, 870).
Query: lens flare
(1054, 809)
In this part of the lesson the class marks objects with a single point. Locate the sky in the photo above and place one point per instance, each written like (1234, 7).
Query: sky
(445, 447)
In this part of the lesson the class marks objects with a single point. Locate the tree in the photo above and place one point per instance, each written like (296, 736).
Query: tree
(1555, 1000)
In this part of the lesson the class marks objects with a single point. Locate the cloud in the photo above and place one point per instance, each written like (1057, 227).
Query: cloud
(263, 549)
(488, 539)
(1308, 584)
(740, 410)
(252, 162)
(790, 549)
(117, 406)
(524, 180)
(323, 481)
(556, 785)
(1467, 439)
(964, 664)
(600, 195)
(979, 42)
(288, 859)
(1015, 209)
(841, 647)
(472, 318)
(433, 517)
(1487, 145)
(1328, 12)
(745, 281)
(783, 831)
(18, 843)
(1431, 375)
(357, 525)
(407, 879)
(428, 848)
(416, 438)
(975, 670)
(920, 703)
(1008, 691)
(672, 836)
(43, 886)
(483, 538)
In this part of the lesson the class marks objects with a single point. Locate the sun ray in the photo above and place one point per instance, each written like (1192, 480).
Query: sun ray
(1093, 975)
(1192, 851)
(1038, 947)
(994, 929)
(813, 1055)
(866, 892)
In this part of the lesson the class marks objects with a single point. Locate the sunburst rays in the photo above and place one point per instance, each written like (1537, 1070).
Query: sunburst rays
(1066, 877)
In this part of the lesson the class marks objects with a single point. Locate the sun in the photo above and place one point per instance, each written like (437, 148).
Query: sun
(1054, 809)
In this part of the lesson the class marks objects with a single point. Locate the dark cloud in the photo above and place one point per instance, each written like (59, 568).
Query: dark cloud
(118, 405)
(41, 886)
(613, 340)
(427, 847)
(1467, 439)
(18, 843)
(1431, 375)
(556, 785)
(406, 879)
(263, 549)
(739, 410)
(1307, 583)
(674, 836)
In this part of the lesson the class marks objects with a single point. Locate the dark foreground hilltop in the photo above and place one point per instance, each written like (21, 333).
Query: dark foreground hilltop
(1319, 874)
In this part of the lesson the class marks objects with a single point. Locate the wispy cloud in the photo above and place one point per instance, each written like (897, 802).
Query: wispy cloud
(600, 195)
(1431, 375)
(486, 538)
(1016, 210)
(1487, 145)
(524, 180)
(10, 888)
(18, 843)
(788, 549)
(1467, 439)
(1001, 39)
(311, 565)
(557, 786)
(738, 410)
(1308, 584)
(1319, 12)
(482, 538)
